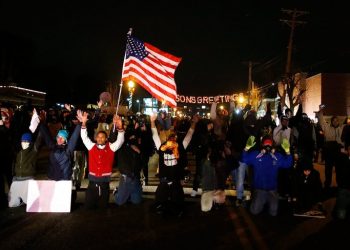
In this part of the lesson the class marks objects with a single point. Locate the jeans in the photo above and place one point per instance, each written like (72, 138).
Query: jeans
(261, 197)
(239, 175)
(128, 188)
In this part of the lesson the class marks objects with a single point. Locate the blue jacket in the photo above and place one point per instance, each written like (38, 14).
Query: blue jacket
(60, 159)
(265, 168)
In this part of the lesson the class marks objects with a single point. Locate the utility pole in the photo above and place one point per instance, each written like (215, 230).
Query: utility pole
(292, 23)
(250, 71)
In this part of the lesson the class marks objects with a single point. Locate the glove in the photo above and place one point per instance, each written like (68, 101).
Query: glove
(250, 143)
(34, 122)
(286, 146)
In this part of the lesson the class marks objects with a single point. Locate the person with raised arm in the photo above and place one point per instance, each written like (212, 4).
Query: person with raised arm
(101, 156)
(169, 193)
(265, 164)
(24, 164)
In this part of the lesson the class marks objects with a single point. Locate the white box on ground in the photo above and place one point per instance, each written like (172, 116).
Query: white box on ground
(49, 196)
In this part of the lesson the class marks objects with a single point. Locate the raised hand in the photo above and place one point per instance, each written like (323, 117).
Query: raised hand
(117, 121)
(34, 122)
(153, 117)
(68, 107)
(82, 117)
(79, 115)
(99, 104)
(250, 143)
(35, 115)
(285, 145)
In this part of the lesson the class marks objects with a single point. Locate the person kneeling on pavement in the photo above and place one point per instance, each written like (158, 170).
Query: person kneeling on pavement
(265, 165)
(307, 188)
(169, 193)
(101, 157)
(24, 167)
(129, 165)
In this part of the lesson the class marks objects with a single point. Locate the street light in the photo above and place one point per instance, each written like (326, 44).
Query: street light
(241, 99)
(131, 86)
(138, 101)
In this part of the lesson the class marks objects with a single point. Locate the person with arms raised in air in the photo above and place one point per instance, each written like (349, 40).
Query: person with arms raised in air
(101, 157)
(332, 146)
(24, 166)
(61, 151)
(265, 164)
(170, 171)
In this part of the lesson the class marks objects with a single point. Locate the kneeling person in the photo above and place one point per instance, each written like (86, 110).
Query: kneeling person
(129, 165)
(24, 166)
(101, 156)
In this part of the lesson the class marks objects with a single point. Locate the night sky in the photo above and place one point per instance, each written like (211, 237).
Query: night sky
(57, 46)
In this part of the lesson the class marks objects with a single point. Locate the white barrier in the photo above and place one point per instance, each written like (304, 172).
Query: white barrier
(49, 196)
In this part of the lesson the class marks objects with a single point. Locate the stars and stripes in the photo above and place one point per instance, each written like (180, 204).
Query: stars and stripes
(151, 68)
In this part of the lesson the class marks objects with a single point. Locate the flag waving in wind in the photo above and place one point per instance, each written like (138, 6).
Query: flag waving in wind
(151, 68)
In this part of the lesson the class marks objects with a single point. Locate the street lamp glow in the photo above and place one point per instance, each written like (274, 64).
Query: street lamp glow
(241, 99)
(131, 84)
(137, 100)
(221, 107)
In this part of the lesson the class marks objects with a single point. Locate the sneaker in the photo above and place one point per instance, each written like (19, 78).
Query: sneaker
(193, 193)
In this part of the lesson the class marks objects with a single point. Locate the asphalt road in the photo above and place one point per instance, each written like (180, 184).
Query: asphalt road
(138, 227)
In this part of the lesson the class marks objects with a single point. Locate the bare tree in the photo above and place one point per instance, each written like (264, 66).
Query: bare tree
(290, 89)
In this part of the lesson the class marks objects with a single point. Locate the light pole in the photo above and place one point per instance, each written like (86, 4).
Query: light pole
(138, 101)
(131, 88)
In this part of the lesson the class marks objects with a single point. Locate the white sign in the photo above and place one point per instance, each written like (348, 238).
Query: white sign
(49, 196)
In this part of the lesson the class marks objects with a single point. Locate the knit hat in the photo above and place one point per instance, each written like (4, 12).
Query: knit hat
(267, 141)
(26, 137)
(63, 133)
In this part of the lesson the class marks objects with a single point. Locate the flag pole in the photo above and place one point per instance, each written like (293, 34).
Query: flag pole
(121, 81)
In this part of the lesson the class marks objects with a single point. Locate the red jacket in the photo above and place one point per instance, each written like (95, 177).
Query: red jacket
(101, 161)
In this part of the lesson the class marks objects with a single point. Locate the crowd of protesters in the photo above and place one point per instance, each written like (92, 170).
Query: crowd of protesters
(271, 158)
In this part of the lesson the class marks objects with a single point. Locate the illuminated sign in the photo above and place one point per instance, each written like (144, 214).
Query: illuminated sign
(206, 99)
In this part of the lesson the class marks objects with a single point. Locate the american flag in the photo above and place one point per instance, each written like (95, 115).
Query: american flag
(151, 68)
